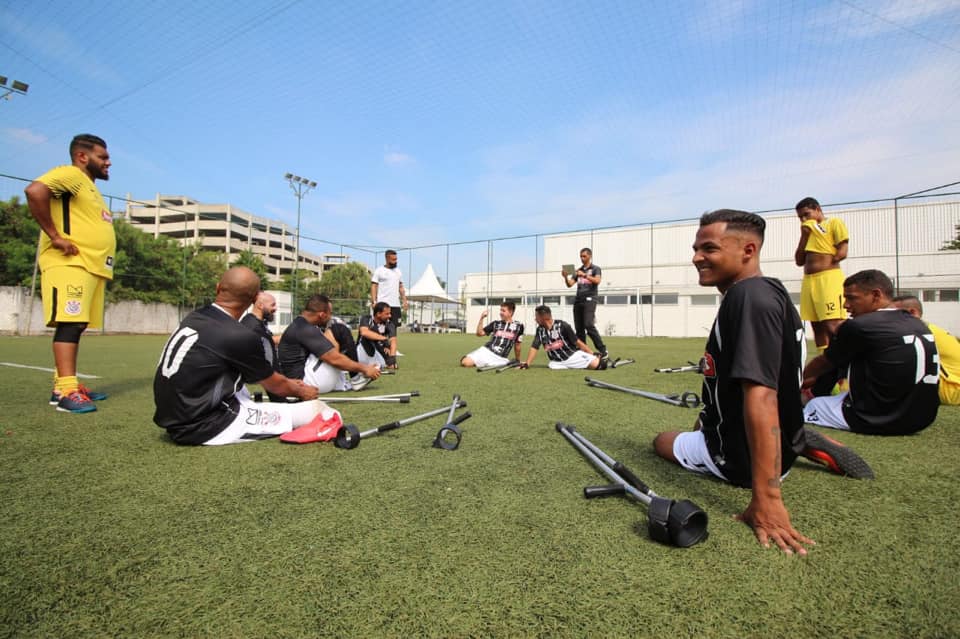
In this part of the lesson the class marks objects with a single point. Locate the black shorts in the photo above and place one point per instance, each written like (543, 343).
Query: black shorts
(395, 315)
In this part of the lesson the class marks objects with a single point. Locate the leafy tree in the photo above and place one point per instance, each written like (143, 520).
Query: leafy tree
(306, 282)
(203, 271)
(349, 286)
(954, 244)
(252, 261)
(19, 233)
(147, 269)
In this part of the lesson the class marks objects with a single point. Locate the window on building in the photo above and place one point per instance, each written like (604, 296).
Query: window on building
(949, 295)
(551, 299)
(646, 299)
(531, 300)
(703, 300)
(618, 299)
(929, 295)
(478, 301)
(569, 299)
(666, 298)
(516, 300)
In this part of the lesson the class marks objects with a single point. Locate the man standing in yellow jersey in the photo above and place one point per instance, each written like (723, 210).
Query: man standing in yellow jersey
(77, 248)
(948, 348)
(823, 245)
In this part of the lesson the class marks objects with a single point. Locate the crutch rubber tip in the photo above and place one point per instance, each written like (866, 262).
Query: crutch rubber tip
(462, 417)
(414, 393)
(347, 437)
(404, 400)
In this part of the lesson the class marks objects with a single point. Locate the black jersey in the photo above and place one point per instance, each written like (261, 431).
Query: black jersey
(586, 288)
(300, 340)
(758, 337)
(893, 372)
(559, 340)
(386, 329)
(260, 327)
(503, 336)
(203, 366)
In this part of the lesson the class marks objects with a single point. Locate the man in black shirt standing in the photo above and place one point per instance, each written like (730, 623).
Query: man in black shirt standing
(307, 352)
(199, 387)
(378, 338)
(751, 428)
(892, 363)
(563, 348)
(505, 335)
(587, 279)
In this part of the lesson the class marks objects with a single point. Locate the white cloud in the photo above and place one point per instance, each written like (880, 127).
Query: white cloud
(25, 136)
(396, 158)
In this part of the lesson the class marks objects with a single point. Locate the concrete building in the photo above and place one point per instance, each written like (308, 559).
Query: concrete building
(650, 287)
(223, 227)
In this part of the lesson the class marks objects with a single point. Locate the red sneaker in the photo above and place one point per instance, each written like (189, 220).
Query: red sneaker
(318, 430)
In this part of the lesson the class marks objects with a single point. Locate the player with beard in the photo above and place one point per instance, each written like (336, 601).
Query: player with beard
(386, 285)
(258, 320)
(378, 338)
(76, 255)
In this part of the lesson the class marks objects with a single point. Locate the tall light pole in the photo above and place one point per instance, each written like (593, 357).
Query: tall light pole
(301, 186)
(15, 87)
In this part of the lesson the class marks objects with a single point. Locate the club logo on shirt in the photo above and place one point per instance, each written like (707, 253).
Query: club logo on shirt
(106, 215)
(707, 365)
(74, 292)
(255, 417)
(73, 307)
(109, 262)
(555, 346)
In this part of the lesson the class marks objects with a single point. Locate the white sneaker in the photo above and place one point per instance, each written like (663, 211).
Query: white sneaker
(359, 381)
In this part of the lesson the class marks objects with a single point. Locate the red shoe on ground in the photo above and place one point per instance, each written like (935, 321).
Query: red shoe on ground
(318, 430)
(838, 458)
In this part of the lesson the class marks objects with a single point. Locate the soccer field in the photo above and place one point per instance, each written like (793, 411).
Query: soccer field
(107, 529)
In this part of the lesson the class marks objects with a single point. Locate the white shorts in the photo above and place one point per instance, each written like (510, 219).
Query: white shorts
(325, 377)
(580, 359)
(691, 452)
(483, 357)
(267, 419)
(376, 358)
(826, 411)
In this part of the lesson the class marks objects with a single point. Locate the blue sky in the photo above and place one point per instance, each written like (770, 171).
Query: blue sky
(428, 122)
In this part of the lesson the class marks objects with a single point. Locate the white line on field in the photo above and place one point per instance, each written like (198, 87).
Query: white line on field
(48, 370)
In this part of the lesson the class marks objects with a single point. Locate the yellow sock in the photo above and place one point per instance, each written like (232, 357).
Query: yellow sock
(67, 385)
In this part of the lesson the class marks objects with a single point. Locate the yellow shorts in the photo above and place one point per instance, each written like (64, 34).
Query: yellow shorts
(71, 294)
(821, 296)
(949, 393)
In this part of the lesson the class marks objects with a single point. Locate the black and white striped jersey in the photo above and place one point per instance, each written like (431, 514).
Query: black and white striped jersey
(560, 341)
(503, 336)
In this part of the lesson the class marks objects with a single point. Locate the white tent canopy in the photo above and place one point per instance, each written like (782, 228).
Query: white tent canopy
(428, 289)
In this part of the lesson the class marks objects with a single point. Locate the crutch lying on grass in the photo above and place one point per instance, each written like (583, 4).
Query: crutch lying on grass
(448, 437)
(499, 367)
(349, 436)
(678, 523)
(396, 398)
(692, 368)
(617, 363)
(686, 399)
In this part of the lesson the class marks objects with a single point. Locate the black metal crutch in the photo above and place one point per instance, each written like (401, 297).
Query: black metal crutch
(349, 436)
(678, 523)
(686, 399)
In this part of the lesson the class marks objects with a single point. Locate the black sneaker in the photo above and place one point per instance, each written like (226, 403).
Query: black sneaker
(835, 456)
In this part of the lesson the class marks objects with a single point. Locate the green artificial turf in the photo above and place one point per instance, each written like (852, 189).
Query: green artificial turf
(107, 529)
